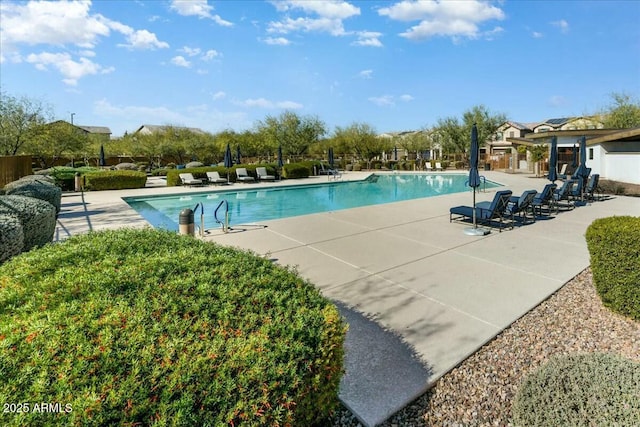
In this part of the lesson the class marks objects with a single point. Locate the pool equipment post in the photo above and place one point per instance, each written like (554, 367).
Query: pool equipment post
(185, 222)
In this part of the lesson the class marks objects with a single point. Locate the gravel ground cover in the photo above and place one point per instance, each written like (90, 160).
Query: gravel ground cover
(480, 390)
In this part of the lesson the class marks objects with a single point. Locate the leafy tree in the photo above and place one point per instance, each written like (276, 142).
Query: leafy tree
(624, 112)
(362, 139)
(456, 135)
(19, 118)
(293, 132)
(55, 140)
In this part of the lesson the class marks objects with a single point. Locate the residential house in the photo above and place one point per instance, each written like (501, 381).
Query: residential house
(151, 129)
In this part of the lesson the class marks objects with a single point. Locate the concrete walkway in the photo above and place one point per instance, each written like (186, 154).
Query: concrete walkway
(419, 295)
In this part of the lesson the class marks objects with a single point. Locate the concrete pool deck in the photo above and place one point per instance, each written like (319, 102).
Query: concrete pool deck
(419, 295)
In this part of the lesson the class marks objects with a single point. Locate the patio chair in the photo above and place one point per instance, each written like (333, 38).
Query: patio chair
(563, 172)
(428, 167)
(486, 212)
(438, 166)
(243, 176)
(522, 206)
(263, 175)
(592, 187)
(215, 178)
(545, 198)
(329, 171)
(564, 193)
(188, 179)
(576, 192)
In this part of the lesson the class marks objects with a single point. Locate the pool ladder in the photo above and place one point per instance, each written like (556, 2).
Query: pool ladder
(195, 210)
(224, 222)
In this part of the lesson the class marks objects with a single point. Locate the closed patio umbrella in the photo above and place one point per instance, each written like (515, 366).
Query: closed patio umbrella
(228, 161)
(553, 160)
(582, 169)
(574, 161)
(474, 181)
(238, 156)
(102, 161)
(331, 157)
(280, 161)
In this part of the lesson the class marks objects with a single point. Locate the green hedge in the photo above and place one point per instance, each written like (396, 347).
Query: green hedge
(146, 327)
(114, 180)
(615, 262)
(580, 390)
(296, 170)
(37, 217)
(64, 176)
(11, 237)
(38, 188)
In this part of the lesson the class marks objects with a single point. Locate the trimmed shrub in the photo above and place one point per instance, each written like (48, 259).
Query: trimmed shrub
(159, 172)
(11, 237)
(193, 165)
(37, 188)
(64, 177)
(148, 327)
(126, 167)
(615, 262)
(595, 389)
(295, 171)
(37, 217)
(115, 180)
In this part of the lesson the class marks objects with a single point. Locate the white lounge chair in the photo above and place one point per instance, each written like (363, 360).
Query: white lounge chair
(188, 179)
(428, 167)
(335, 173)
(215, 178)
(243, 176)
(438, 166)
(263, 176)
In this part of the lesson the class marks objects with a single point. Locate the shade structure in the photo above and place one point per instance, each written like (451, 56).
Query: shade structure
(574, 161)
(238, 155)
(331, 157)
(474, 180)
(102, 161)
(553, 160)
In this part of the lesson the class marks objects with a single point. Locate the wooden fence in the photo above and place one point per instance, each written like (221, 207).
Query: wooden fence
(14, 167)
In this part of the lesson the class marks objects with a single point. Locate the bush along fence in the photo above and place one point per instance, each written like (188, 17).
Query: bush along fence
(216, 336)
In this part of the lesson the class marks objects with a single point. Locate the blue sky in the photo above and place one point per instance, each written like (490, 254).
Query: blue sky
(396, 65)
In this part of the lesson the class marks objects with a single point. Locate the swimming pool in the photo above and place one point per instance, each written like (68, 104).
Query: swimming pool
(256, 203)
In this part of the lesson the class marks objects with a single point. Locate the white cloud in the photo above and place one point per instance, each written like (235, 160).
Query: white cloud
(267, 104)
(71, 70)
(64, 22)
(406, 98)
(199, 8)
(180, 61)
(210, 54)
(189, 51)
(279, 41)
(368, 38)
(537, 35)
(365, 74)
(327, 16)
(219, 95)
(382, 101)
(562, 25)
(449, 19)
(143, 39)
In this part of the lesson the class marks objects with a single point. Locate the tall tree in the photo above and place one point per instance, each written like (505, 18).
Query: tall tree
(622, 113)
(19, 119)
(456, 135)
(293, 132)
(56, 140)
(361, 138)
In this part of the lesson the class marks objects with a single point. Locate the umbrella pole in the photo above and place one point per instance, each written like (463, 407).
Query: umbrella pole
(475, 223)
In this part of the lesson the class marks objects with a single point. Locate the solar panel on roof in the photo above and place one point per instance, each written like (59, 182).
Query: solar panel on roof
(557, 121)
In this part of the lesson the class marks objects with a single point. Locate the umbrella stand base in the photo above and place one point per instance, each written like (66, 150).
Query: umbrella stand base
(471, 231)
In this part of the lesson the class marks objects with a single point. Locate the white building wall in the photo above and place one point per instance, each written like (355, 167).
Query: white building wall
(623, 167)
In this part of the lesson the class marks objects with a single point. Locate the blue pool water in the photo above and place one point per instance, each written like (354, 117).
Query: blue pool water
(256, 203)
